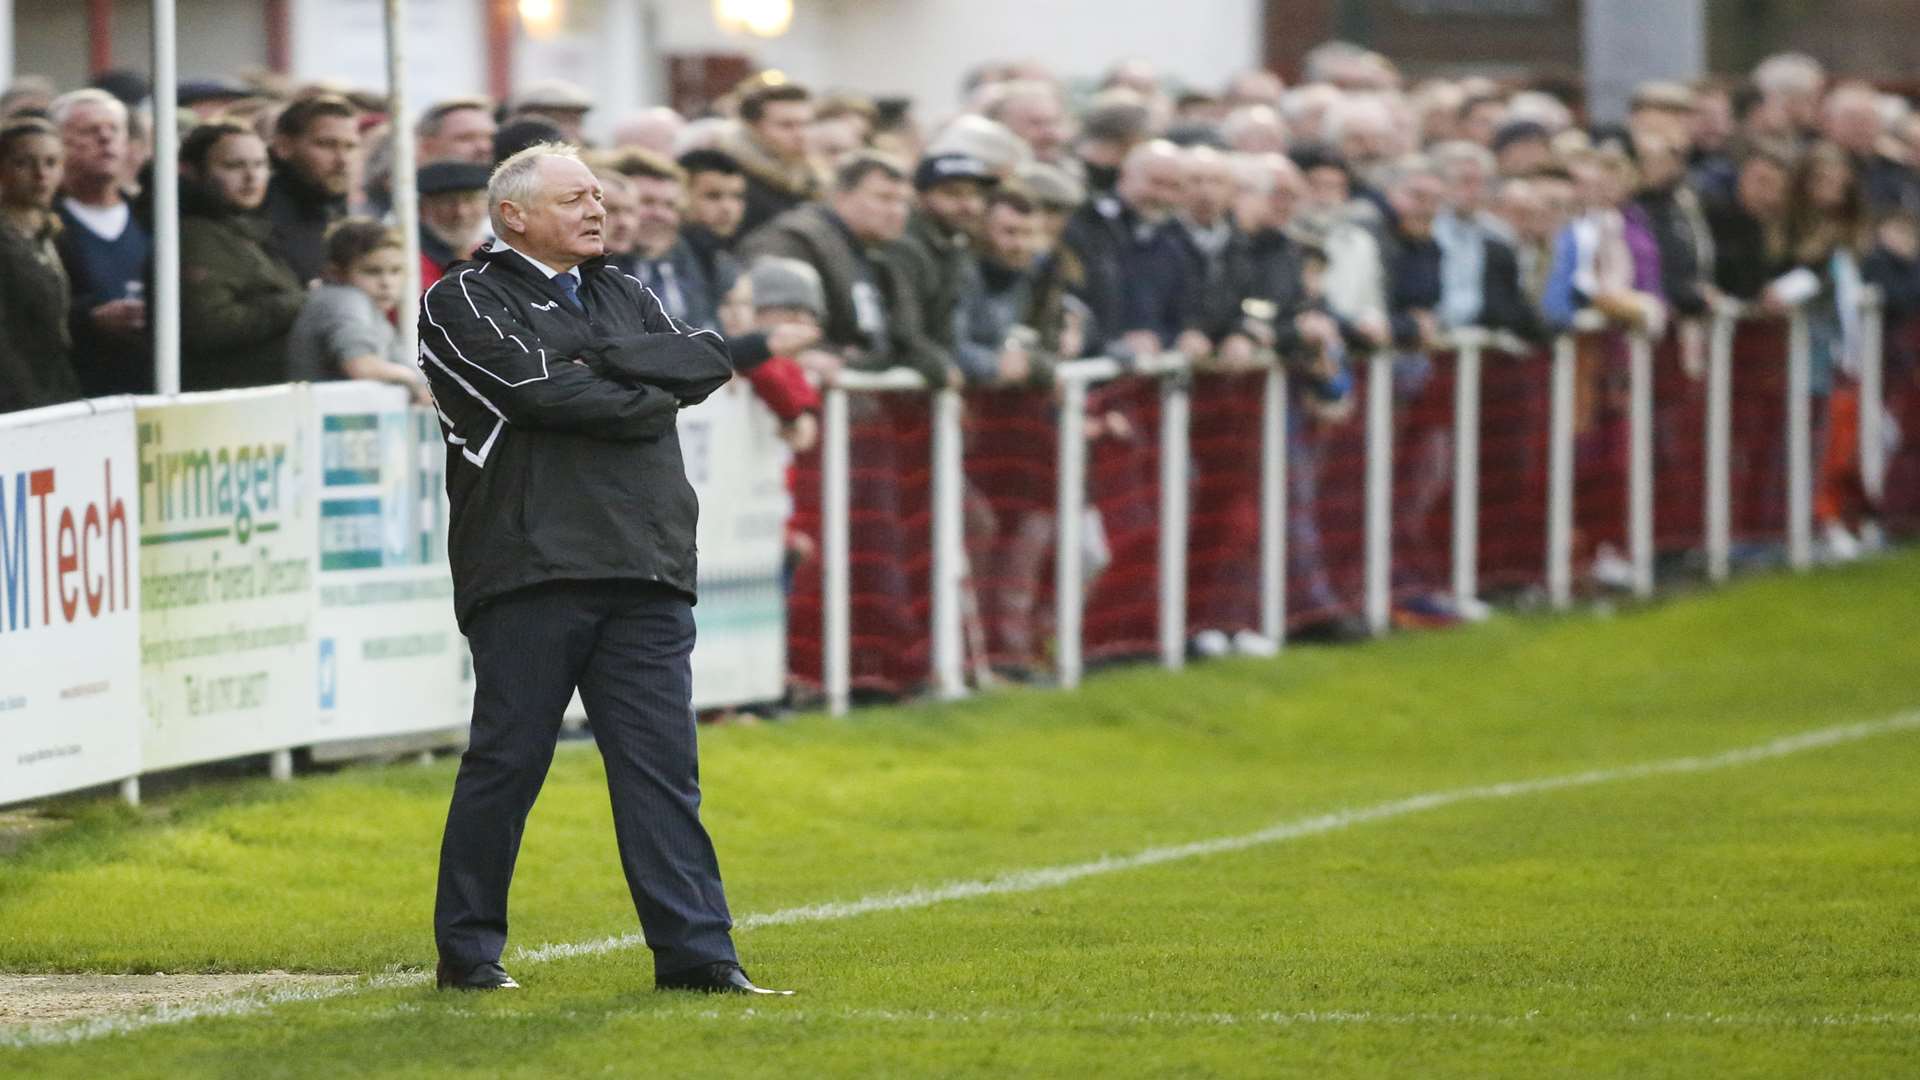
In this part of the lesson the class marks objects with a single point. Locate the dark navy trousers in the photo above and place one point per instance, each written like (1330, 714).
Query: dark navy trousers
(626, 646)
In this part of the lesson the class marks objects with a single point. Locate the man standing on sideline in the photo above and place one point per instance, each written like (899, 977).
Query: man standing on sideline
(571, 539)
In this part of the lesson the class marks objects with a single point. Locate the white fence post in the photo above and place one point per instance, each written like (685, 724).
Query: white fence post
(1560, 476)
(1273, 507)
(835, 570)
(1175, 402)
(163, 307)
(130, 791)
(1799, 444)
(949, 545)
(1379, 492)
(1069, 503)
(1873, 449)
(1640, 461)
(1466, 473)
(1719, 448)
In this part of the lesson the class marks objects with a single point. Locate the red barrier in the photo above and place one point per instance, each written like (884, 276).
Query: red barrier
(1758, 464)
(1326, 512)
(1223, 537)
(1123, 485)
(1679, 448)
(1011, 461)
(1423, 489)
(890, 549)
(1900, 502)
(1515, 409)
(1600, 449)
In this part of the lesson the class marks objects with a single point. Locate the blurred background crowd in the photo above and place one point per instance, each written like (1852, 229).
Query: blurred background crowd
(1232, 221)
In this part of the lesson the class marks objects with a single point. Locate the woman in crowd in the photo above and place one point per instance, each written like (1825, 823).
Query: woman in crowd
(238, 299)
(36, 365)
(1827, 234)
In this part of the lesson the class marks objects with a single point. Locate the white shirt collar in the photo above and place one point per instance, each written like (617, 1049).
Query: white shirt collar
(502, 245)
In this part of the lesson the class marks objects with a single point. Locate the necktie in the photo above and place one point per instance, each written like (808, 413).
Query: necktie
(569, 287)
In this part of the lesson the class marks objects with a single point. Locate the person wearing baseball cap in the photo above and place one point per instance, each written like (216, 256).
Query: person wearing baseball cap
(936, 255)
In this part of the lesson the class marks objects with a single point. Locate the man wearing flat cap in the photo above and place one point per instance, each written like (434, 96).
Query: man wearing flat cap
(566, 104)
(453, 214)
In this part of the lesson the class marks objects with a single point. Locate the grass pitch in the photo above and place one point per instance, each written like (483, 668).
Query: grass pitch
(1749, 918)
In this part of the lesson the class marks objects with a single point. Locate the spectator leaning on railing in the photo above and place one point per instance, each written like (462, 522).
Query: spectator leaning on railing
(346, 331)
(872, 320)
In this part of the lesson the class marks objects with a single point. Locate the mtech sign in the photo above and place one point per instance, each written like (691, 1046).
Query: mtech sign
(65, 545)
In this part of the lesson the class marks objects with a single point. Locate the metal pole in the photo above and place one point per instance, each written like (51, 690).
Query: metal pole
(1174, 406)
(1466, 474)
(6, 42)
(164, 312)
(1640, 461)
(1560, 476)
(1273, 507)
(1379, 492)
(406, 203)
(1873, 460)
(835, 588)
(949, 551)
(1069, 503)
(1719, 482)
(1799, 444)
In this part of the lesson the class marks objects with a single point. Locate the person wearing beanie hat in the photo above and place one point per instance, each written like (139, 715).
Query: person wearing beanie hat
(453, 214)
(789, 285)
(776, 351)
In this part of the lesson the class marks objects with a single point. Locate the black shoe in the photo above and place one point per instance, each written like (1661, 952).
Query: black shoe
(483, 977)
(721, 977)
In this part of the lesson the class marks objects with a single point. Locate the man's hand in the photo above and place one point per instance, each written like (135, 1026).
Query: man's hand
(1428, 326)
(790, 339)
(1073, 335)
(1194, 345)
(1318, 329)
(120, 318)
(1373, 329)
(820, 362)
(1141, 342)
(1237, 352)
(1016, 365)
(801, 433)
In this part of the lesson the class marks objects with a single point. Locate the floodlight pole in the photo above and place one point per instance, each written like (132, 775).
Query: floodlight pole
(163, 309)
(406, 201)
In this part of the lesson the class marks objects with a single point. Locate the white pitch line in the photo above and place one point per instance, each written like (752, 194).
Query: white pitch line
(1016, 882)
(1313, 1018)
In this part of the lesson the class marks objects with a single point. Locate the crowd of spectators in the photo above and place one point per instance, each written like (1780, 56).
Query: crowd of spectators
(1354, 212)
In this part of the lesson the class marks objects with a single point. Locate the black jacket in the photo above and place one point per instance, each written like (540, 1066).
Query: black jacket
(1266, 268)
(562, 459)
(1138, 274)
(300, 213)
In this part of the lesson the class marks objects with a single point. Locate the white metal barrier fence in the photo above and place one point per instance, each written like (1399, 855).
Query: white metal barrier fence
(1470, 347)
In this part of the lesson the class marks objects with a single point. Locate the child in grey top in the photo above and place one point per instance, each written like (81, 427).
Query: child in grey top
(345, 330)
